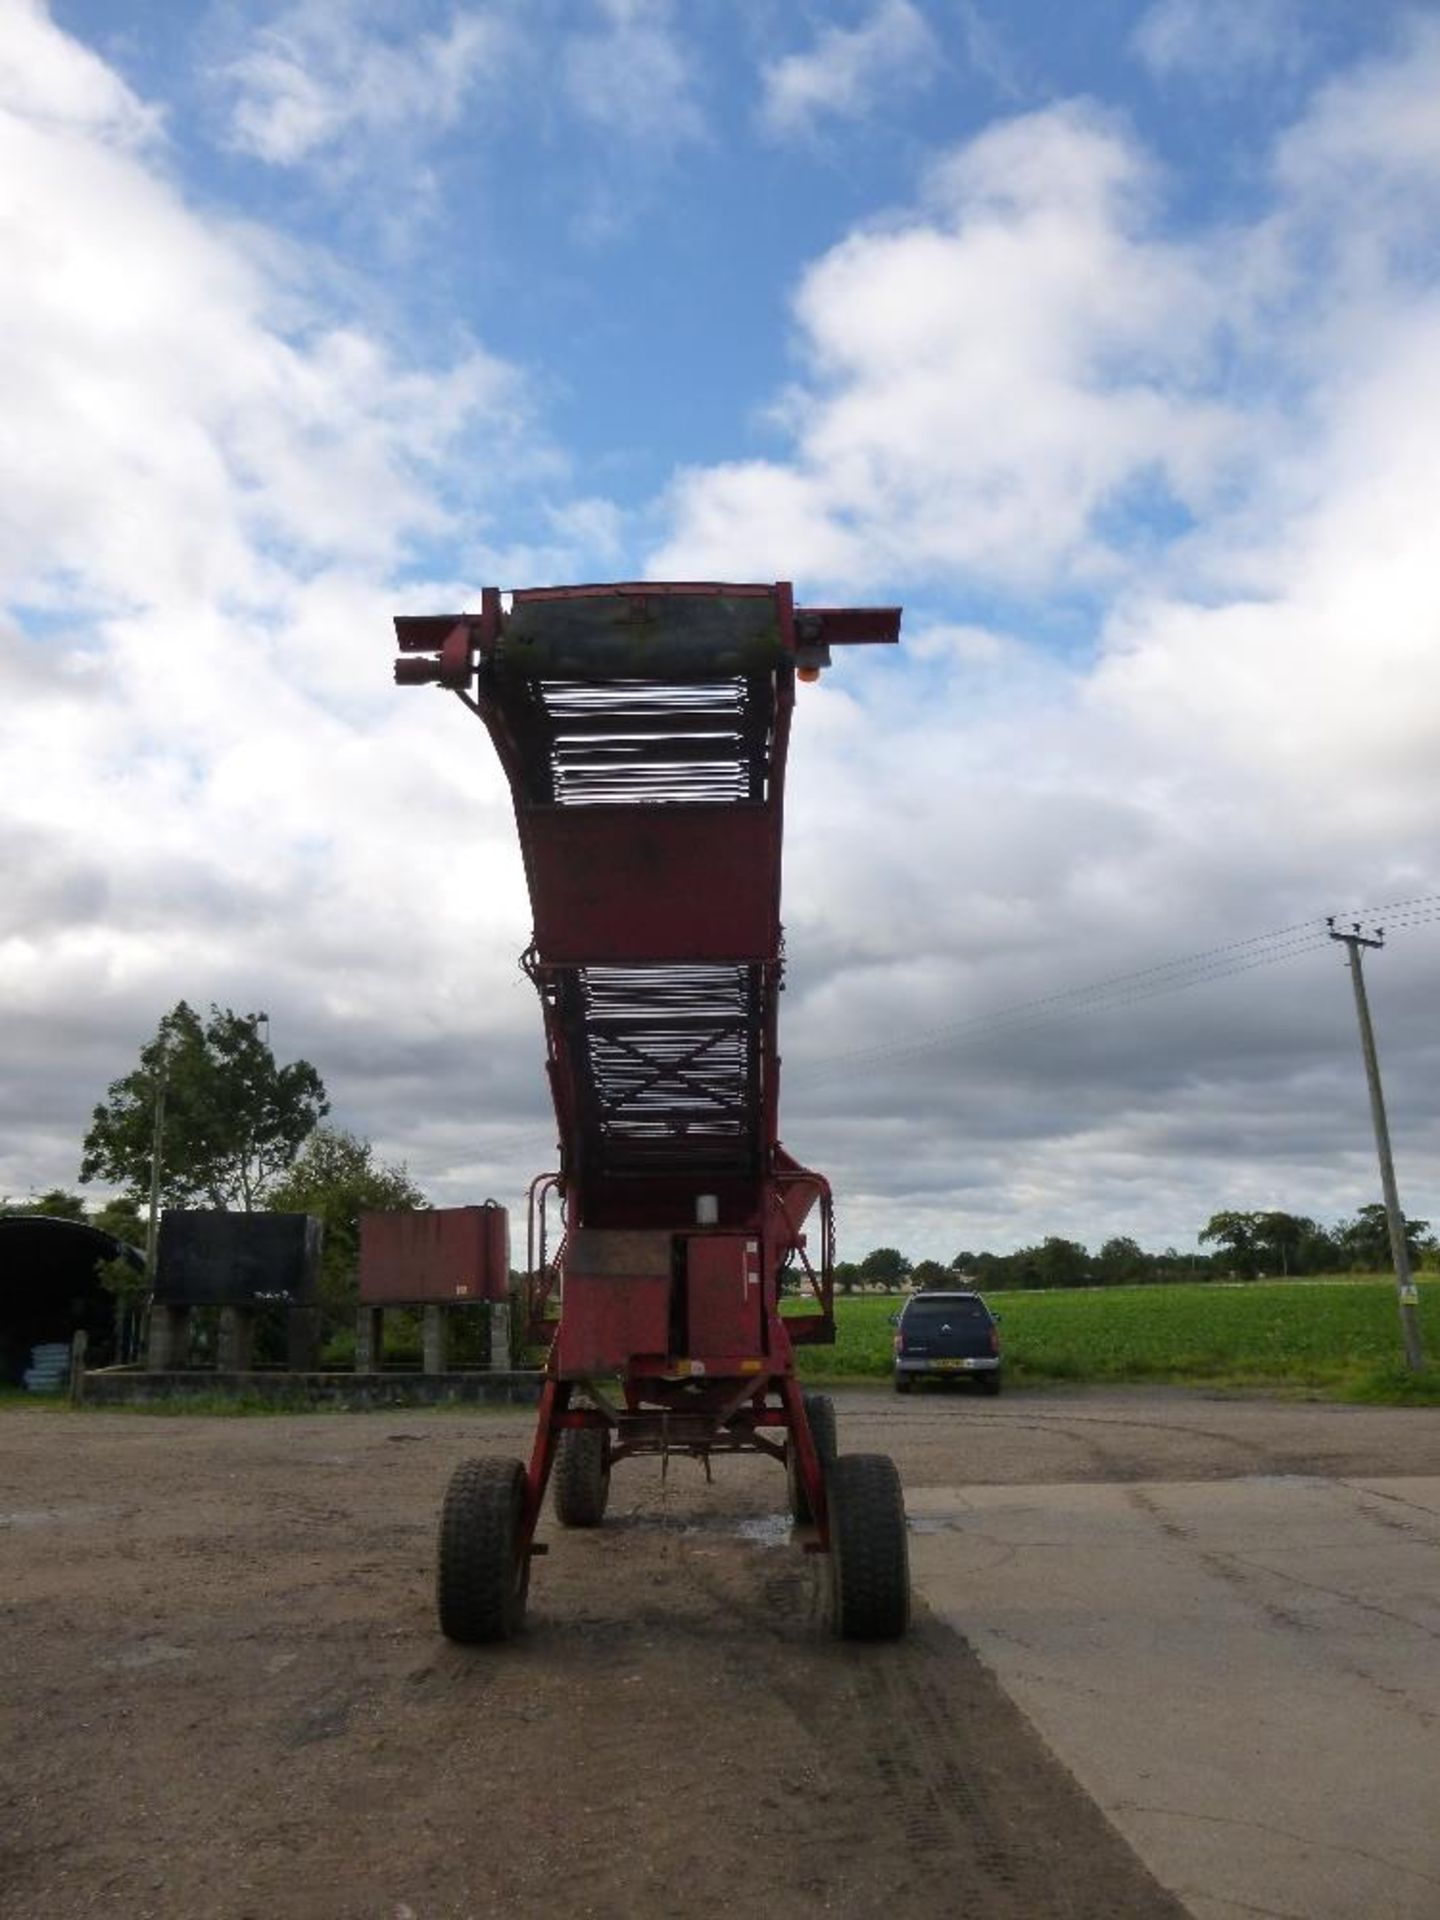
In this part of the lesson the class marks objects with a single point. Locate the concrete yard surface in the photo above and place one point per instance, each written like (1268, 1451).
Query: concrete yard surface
(1244, 1674)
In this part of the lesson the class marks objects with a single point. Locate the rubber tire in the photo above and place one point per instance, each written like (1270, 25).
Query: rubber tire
(903, 1383)
(869, 1549)
(820, 1411)
(483, 1578)
(988, 1383)
(582, 1476)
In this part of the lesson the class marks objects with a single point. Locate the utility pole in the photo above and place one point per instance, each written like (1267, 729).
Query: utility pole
(1409, 1294)
(157, 1148)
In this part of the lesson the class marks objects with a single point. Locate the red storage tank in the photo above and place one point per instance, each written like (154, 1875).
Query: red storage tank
(440, 1256)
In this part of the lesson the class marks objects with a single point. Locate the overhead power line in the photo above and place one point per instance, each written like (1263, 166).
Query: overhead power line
(1123, 989)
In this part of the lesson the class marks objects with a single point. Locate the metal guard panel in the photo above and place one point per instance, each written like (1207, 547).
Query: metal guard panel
(653, 884)
(603, 1253)
(635, 634)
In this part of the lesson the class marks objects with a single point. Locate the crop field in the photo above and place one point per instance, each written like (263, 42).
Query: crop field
(1335, 1336)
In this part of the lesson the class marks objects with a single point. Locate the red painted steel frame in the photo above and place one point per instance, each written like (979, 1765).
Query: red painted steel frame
(644, 730)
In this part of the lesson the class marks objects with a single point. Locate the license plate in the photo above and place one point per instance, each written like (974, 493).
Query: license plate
(953, 1366)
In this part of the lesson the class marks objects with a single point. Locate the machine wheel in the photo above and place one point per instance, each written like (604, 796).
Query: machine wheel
(582, 1476)
(869, 1552)
(484, 1575)
(989, 1383)
(820, 1411)
(903, 1383)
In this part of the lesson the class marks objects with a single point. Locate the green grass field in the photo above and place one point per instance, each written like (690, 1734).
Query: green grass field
(1339, 1338)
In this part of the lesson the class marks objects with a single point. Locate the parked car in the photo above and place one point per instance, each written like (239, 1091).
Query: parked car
(945, 1336)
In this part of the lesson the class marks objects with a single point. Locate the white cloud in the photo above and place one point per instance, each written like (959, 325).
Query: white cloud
(322, 76)
(632, 75)
(849, 69)
(975, 646)
(1219, 40)
(595, 524)
(211, 476)
(1026, 400)
(151, 340)
(56, 81)
(988, 51)
(1333, 664)
(1009, 392)
(983, 380)
(1375, 128)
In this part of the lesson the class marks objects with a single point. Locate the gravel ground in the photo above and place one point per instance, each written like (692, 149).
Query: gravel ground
(226, 1695)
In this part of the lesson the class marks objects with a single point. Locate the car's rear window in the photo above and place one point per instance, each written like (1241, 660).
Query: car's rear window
(923, 1314)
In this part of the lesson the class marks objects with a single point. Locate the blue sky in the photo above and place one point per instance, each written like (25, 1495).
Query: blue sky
(618, 201)
(1104, 337)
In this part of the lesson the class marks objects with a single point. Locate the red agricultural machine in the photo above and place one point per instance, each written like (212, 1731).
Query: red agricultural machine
(643, 729)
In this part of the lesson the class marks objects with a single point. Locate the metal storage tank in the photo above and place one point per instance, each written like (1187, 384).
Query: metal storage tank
(440, 1256)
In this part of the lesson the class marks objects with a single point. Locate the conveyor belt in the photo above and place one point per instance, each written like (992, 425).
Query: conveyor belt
(644, 731)
(643, 742)
(668, 1065)
(663, 1062)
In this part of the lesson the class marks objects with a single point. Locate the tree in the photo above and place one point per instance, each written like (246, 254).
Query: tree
(234, 1119)
(1061, 1263)
(847, 1273)
(125, 1278)
(885, 1267)
(1280, 1239)
(337, 1178)
(1318, 1251)
(1365, 1241)
(122, 1220)
(56, 1204)
(929, 1274)
(1234, 1234)
(127, 1282)
(1122, 1261)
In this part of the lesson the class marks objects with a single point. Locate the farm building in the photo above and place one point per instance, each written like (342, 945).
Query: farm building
(49, 1289)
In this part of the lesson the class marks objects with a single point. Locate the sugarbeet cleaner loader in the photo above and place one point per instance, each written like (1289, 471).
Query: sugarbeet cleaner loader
(643, 729)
